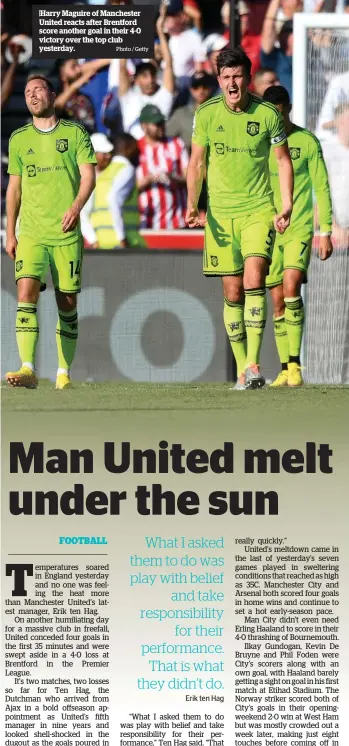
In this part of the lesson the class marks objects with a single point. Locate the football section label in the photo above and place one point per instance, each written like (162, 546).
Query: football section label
(83, 32)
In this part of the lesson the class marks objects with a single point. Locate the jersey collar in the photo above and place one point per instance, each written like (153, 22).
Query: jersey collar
(237, 113)
(46, 132)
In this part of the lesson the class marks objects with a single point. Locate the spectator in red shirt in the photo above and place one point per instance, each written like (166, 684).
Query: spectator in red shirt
(161, 174)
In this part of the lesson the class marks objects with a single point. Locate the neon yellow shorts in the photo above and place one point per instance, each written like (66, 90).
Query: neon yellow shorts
(228, 242)
(64, 261)
(293, 253)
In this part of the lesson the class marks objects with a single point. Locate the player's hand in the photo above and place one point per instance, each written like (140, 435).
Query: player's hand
(325, 247)
(192, 218)
(94, 245)
(70, 219)
(124, 244)
(11, 247)
(282, 221)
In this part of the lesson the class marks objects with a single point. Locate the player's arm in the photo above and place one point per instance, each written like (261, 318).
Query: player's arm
(196, 168)
(285, 170)
(195, 176)
(86, 162)
(87, 185)
(319, 176)
(13, 205)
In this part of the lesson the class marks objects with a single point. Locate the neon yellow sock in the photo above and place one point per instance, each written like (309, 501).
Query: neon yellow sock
(281, 338)
(255, 320)
(66, 337)
(233, 315)
(294, 317)
(27, 332)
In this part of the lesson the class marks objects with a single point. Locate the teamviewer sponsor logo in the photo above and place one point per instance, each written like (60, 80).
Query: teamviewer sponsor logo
(31, 171)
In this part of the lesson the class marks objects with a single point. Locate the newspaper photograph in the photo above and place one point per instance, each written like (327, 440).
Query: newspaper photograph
(175, 370)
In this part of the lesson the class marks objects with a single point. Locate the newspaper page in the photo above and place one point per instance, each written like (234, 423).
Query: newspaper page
(174, 553)
(166, 585)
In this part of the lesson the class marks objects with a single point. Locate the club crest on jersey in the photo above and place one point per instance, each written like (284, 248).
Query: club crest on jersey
(62, 145)
(219, 148)
(252, 128)
(31, 171)
(214, 261)
(295, 153)
(19, 265)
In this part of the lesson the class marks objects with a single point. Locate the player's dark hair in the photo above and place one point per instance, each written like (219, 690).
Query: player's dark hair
(276, 94)
(144, 67)
(233, 58)
(34, 76)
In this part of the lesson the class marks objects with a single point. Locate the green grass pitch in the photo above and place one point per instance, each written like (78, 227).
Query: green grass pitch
(128, 396)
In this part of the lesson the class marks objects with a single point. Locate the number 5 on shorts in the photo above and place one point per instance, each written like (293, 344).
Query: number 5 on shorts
(271, 235)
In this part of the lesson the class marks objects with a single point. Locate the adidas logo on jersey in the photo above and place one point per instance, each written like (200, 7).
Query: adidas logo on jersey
(220, 129)
(30, 151)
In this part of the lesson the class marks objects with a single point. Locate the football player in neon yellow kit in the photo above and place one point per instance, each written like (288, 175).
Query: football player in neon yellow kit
(52, 174)
(292, 251)
(233, 134)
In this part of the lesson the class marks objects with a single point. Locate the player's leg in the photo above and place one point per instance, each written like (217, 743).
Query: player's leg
(257, 241)
(234, 323)
(30, 270)
(222, 257)
(274, 283)
(255, 316)
(66, 264)
(297, 254)
(66, 336)
(294, 318)
(280, 333)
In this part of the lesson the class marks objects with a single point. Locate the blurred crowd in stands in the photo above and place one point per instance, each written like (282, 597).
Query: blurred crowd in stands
(140, 112)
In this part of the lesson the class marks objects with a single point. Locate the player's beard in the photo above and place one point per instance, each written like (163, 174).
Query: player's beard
(41, 111)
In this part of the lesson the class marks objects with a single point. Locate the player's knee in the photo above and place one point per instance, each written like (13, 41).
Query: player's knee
(277, 296)
(255, 273)
(292, 285)
(233, 289)
(27, 292)
(66, 302)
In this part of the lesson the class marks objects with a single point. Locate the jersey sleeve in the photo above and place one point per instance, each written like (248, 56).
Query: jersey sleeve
(319, 176)
(84, 152)
(200, 129)
(277, 132)
(15, 165)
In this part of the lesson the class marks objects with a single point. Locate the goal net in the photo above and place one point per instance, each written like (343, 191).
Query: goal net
(321, 103)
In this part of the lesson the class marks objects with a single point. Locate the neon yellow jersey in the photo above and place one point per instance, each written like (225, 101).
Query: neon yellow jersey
(48, 163)
(310, 174)
(238, 147)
